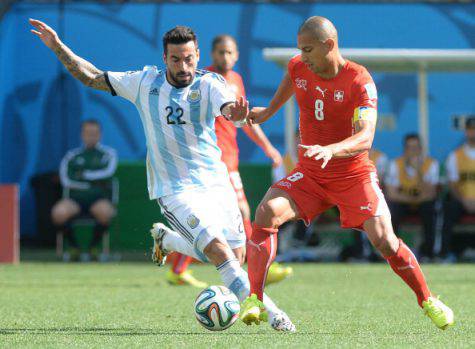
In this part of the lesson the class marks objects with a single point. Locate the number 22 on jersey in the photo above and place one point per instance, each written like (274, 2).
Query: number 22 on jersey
(178, 113)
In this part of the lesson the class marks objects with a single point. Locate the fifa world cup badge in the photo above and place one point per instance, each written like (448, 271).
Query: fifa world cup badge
(194, 96)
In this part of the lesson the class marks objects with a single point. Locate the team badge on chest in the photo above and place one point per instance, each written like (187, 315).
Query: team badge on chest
(338, 95)
(192, 221)
(194, 96)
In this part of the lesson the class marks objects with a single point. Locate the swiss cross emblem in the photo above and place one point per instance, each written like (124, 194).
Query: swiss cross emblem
(339, 95)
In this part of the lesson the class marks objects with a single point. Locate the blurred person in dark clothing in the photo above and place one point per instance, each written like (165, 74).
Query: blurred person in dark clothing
(86, 176)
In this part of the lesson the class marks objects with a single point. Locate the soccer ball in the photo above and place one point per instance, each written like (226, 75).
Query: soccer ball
(216, 308)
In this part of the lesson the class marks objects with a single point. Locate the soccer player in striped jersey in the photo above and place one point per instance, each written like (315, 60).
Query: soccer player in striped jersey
(178, 107)
(225, 55)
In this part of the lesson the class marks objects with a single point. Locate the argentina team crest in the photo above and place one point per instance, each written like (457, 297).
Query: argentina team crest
(192, 221)
(194, 96)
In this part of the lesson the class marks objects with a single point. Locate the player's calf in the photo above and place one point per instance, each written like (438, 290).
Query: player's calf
(381, 235)
(218, 252)
(401, 259)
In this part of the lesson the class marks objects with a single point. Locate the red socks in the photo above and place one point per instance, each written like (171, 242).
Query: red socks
(405, 264)
(247, 228)
(261, 250)
(180, 263)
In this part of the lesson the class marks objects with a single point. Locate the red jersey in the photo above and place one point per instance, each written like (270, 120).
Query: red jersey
(226, 132)
(327, 108)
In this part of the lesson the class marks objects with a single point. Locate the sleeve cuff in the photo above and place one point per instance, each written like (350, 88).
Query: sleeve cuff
(106, 75)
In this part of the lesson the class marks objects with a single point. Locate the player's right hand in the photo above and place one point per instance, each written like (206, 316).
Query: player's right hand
(45, 33)
(257, 115)
(318, 152)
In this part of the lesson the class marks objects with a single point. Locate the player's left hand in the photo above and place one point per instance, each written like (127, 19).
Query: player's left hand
(320, 153)
(274, 155)
(239, 110)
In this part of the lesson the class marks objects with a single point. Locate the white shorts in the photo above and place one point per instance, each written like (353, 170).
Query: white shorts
(200, 216)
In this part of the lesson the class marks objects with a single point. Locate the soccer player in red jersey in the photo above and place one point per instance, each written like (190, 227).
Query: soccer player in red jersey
(337, 100)
(225, 55)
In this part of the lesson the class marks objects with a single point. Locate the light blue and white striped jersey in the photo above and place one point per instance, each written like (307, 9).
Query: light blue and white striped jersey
(182, 152)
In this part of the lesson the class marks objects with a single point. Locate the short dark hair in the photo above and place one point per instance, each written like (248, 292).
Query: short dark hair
(179, 35)
(470, 121)
(410, 136)
(220, 39)
(91, 122)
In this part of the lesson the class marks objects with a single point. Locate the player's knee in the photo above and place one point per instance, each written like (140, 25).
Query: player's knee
(268, 214)
(218, 252)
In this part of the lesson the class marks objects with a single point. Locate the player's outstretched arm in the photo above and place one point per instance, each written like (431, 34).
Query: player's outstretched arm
(258, 115)
(81, 69)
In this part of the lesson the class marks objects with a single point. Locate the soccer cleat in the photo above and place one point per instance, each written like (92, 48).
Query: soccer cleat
(185, 278)
(440, 314)
(252, 311)
(278, 273)
(159, 254)
(281, 322)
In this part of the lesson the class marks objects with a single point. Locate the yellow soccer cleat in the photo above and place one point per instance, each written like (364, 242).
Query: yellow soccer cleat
(440, 314)
(252, 311)
(278, 273)
(185, 278)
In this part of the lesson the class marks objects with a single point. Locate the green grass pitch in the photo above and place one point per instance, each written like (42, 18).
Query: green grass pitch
(131, 306)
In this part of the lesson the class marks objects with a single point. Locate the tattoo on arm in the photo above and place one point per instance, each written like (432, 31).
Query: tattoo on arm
(81, 69)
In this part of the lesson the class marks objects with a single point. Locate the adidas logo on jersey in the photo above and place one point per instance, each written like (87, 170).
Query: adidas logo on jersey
(154, 91)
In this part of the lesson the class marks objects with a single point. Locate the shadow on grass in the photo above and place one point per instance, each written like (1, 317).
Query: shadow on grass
(97, 331)
(13, 284)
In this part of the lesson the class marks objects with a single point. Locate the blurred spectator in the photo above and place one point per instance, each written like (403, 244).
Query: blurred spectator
(86, 176)
(380, 160)
(289, 160)
(411, 188)
(460, 200)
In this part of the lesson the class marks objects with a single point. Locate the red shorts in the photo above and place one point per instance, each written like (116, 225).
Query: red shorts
(237, 185)
(358, 198)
